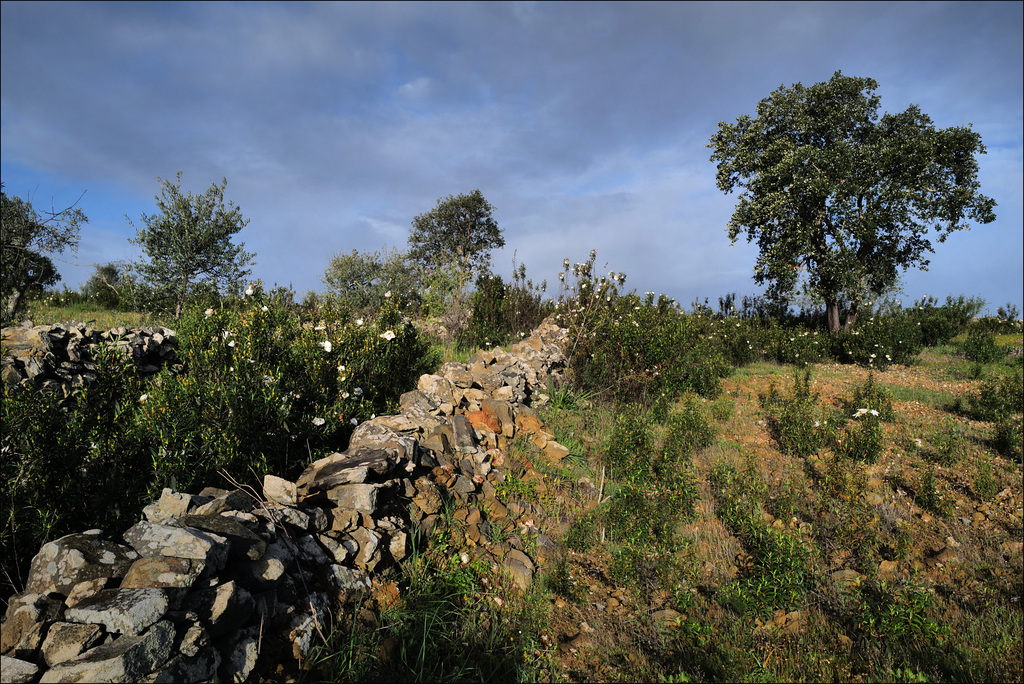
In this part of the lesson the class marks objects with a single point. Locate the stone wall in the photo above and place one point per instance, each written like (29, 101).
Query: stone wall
(216, 583)
(56, 358)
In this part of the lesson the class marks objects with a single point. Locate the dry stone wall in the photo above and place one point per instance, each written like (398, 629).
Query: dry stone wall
(58, 358)
(210, 585)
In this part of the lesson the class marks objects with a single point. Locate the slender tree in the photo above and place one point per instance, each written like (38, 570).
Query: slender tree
(189, 243)
(834, 194)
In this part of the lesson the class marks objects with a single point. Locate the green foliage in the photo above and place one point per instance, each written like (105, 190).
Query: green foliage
(25, 237)
(504, 313)
(103, 287)
(980, 346)
(940, 324)
(689, 431)
(1009, 437)
(797, 423)
(189, 242)
(630, 446)
(889, 611)
(864, 441)
(950, 445)
(985, 484)
(872, 396)
(458, 232)
(582, 533)
(364, 280)
(258, 392)
(636, 349)
(879, 342)
(929, 495)
(831, 188)
(997, 397)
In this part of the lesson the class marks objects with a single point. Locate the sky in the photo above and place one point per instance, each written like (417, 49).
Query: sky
(584, 124)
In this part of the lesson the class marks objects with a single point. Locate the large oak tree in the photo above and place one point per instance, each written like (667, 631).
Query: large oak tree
(835, 194)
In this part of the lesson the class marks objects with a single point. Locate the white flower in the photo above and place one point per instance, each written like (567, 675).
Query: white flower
(225, 334)
(917, 443)
(860, 412)
(345, 395)
(873, 412)
(359, 322)
(388, 335)
(341, 369)
(231, 343)
(265, 308)
(208, 312)
(326, 344)
(143, 398)
(358, 391)
(248, 291)
(387, 295)
(354, 421)
(318, 421)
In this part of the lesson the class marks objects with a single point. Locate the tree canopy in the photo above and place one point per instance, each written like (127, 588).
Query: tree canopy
(189, 243)
(841, 198)
(24, 238)
(460, 232)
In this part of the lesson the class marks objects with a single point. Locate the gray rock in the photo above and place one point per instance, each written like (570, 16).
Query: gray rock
(241, 654)
(75, 558)
(280, 491)
(171, 504)
(244, 543)
(355, 497)
(125, 611)
(127, 659)
(17, 671)
(222, 609)
(28, 618)
(66, 640)
(150, 539)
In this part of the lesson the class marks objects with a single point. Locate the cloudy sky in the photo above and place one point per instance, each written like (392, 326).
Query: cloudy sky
(585, 125)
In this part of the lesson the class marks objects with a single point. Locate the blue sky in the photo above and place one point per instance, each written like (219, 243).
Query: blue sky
(585, 125)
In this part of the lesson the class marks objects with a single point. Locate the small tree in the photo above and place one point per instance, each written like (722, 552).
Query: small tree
(835, 195)
(24, 236)
(189, 243)
(362, 279)
(459, 232)
(103, 287)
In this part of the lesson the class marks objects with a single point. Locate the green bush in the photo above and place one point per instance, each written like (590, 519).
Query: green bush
(630, 445)
(689, 430)
(879, 342)
(980, 347)
(872, 396)
(797, 423)
(258, 392)
(940, 324)
(997, 397)
(864, 441)
(504, 313)
(1009, 437)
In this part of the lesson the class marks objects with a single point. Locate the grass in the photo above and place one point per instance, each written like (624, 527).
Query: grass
(100, 319)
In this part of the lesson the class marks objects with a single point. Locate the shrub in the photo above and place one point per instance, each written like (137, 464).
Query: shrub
(879, 342)
(689, 430)
(865, 441)
(980, 346)
(872, 396)
(630, 444)
(797, 423)
(504, 313)
(1009, 437)
(997, 397)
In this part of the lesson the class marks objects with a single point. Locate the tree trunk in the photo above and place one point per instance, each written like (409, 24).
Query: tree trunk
(832, 313)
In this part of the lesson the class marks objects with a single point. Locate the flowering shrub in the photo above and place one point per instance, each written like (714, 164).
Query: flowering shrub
(879, 342)
(262, 391)
(505, 313)
(874, 397)
(864, 439)
(258, 392)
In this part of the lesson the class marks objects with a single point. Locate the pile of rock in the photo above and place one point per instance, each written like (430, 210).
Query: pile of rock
(59, 359)
(208, 584)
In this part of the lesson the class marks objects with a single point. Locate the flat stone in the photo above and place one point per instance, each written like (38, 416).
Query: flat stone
(124, 611)
(17, 671)
(355, 497)
(171, 504)
(67, 640)
(75, 558)
(162, 571)
(150, 539)
(244, 544)
(280, 490)
(127, 659)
